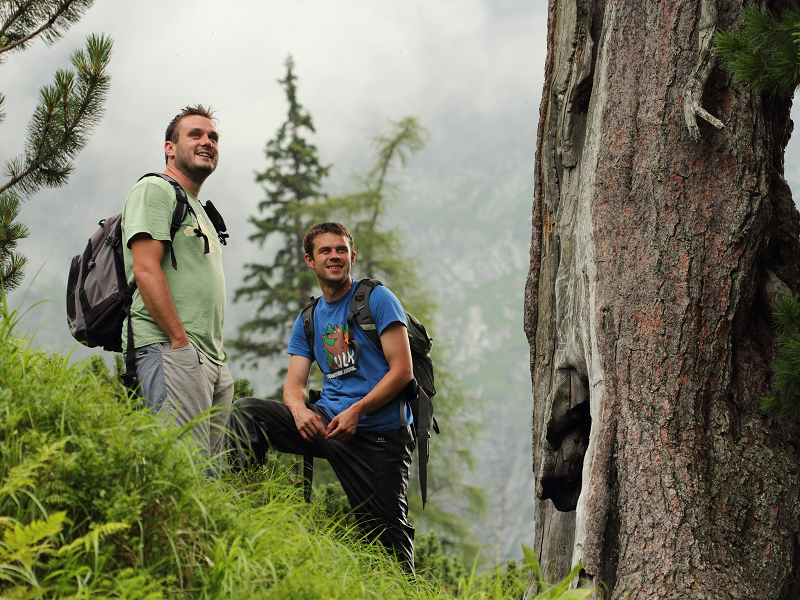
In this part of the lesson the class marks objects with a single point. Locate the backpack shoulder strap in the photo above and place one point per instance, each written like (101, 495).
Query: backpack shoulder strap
(307, 315)
(360, 313)
(181, 209)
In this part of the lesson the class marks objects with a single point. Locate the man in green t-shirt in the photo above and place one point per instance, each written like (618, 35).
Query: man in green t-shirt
(178, 313)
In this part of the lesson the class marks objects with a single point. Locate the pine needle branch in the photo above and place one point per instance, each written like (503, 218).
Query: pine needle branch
(12, 263)
(65, 115)
(764, 53)
(22, 22)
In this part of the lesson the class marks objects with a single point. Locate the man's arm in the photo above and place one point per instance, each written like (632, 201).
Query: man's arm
(152, 285)
(397, 351)
(308, 423)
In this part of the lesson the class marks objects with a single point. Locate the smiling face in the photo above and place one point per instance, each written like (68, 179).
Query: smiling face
(332, 260)
(195, 154)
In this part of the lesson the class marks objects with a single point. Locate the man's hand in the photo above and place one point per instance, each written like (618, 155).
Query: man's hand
(308, 423)
(343, 426)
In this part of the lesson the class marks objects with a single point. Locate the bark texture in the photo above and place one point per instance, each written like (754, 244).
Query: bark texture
(649, 333)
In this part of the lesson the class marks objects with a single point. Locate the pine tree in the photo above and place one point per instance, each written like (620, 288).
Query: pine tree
(62, 120)
(381, 253)
(292, 183)
(764, 53)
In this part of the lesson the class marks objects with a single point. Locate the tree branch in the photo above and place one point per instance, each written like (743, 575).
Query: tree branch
(47, 25)
(693, 91)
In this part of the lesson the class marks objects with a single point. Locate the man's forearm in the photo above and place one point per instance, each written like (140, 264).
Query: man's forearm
(394, 382)
(154, 289)
(294, 396)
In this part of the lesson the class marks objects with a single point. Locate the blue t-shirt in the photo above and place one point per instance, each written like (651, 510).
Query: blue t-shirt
(347, 378)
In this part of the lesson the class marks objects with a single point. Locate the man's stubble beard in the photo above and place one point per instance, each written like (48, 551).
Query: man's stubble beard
(196, 173)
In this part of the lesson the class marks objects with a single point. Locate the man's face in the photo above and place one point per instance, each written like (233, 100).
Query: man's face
(196, 153)
(332, 259)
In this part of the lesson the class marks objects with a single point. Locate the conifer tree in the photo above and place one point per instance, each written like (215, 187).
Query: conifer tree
(292, 183)
(381, 252)
(66, 112)
(764, 54)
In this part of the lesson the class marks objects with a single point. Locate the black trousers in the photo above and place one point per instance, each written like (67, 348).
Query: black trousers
(372, 466)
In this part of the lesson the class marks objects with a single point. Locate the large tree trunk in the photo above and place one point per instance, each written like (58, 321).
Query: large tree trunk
(646, 315)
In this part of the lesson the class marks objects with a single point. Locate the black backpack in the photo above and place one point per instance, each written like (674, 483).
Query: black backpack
(98, 296)
(418, 393)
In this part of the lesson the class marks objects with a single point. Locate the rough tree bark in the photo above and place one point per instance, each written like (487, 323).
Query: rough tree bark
(657, 238)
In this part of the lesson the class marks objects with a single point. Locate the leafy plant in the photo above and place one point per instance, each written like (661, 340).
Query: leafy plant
(557, 591)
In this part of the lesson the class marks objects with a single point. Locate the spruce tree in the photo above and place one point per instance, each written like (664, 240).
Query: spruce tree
(66, 112)
(292, 183)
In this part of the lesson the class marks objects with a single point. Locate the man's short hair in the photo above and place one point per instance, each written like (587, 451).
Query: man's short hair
(172, 129)
(321, 229)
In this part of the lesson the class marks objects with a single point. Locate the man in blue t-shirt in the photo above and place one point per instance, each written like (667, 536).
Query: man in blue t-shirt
(361, 424)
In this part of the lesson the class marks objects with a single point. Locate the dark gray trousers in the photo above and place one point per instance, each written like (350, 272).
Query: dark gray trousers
(372, 466)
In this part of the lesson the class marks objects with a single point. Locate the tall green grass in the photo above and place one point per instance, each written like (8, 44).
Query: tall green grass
(99, 500)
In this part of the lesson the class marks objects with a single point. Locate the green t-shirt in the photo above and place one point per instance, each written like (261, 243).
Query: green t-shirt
(198, 285)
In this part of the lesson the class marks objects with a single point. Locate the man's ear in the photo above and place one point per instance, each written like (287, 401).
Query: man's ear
(169, 148)
(309, 261)
(353, 258)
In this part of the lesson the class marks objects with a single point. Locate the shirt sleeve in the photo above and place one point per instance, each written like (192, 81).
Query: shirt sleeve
(148, 209)
(385, 308)
(298, 344)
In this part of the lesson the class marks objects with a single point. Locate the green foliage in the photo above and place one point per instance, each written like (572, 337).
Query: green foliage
(381, 252)
(431, 561)
(12, 263)
(764, 53)
(100, 500)
(242, 389)
(292, 183)
(785, 399)
(549, 591)
(64, 116)
(22, 23)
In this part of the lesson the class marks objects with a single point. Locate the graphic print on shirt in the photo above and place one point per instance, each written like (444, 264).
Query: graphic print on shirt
(342, 358)
(199, 222)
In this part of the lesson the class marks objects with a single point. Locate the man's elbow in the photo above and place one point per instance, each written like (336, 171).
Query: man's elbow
(143, 273)
(406, 375)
